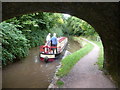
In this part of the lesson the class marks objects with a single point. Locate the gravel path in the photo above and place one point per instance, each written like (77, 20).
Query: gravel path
(85, 74)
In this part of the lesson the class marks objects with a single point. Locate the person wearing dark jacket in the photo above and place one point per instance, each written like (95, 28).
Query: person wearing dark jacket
(54, 42)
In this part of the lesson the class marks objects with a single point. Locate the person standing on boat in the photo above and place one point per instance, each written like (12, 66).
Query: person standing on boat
(54, 42)
(48, 40)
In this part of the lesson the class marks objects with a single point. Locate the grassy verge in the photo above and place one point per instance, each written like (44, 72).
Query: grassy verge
(101, 55)
(101, 52)
(71, 60)
(59, 83)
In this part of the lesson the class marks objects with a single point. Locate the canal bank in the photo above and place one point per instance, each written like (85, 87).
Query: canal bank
(69, 61)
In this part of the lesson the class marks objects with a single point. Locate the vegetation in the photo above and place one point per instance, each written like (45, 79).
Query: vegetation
(24, 32)
(59, 83)
(37, 25)
(101, 55)
(14, 43)
(21, 33)
(69, 61)
(101, 52)
(77, 27)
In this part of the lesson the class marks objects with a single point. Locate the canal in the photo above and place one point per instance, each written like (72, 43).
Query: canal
(31, 72)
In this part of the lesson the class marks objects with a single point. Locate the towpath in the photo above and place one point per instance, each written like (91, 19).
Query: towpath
(85, 74)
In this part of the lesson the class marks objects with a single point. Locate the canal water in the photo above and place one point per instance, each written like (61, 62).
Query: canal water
(31, 72)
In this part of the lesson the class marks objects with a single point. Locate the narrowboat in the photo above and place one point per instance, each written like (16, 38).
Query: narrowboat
(50, 53)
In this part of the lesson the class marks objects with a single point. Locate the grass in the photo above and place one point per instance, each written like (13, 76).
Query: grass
(59, 83)
(71, 60)
(101, 53)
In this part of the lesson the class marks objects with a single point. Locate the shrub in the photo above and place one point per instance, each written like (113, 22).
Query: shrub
(14, 43)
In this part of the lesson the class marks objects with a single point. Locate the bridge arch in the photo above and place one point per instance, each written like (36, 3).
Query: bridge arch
(104, 17)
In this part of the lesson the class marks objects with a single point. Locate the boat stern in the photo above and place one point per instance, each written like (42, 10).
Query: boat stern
(47, 57)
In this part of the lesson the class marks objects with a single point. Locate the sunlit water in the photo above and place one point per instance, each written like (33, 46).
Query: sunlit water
(31, 72)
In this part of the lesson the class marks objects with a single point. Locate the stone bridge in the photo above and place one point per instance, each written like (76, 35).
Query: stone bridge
(104, 17)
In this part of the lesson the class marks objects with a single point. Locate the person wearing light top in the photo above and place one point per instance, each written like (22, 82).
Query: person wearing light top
(48, 38)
